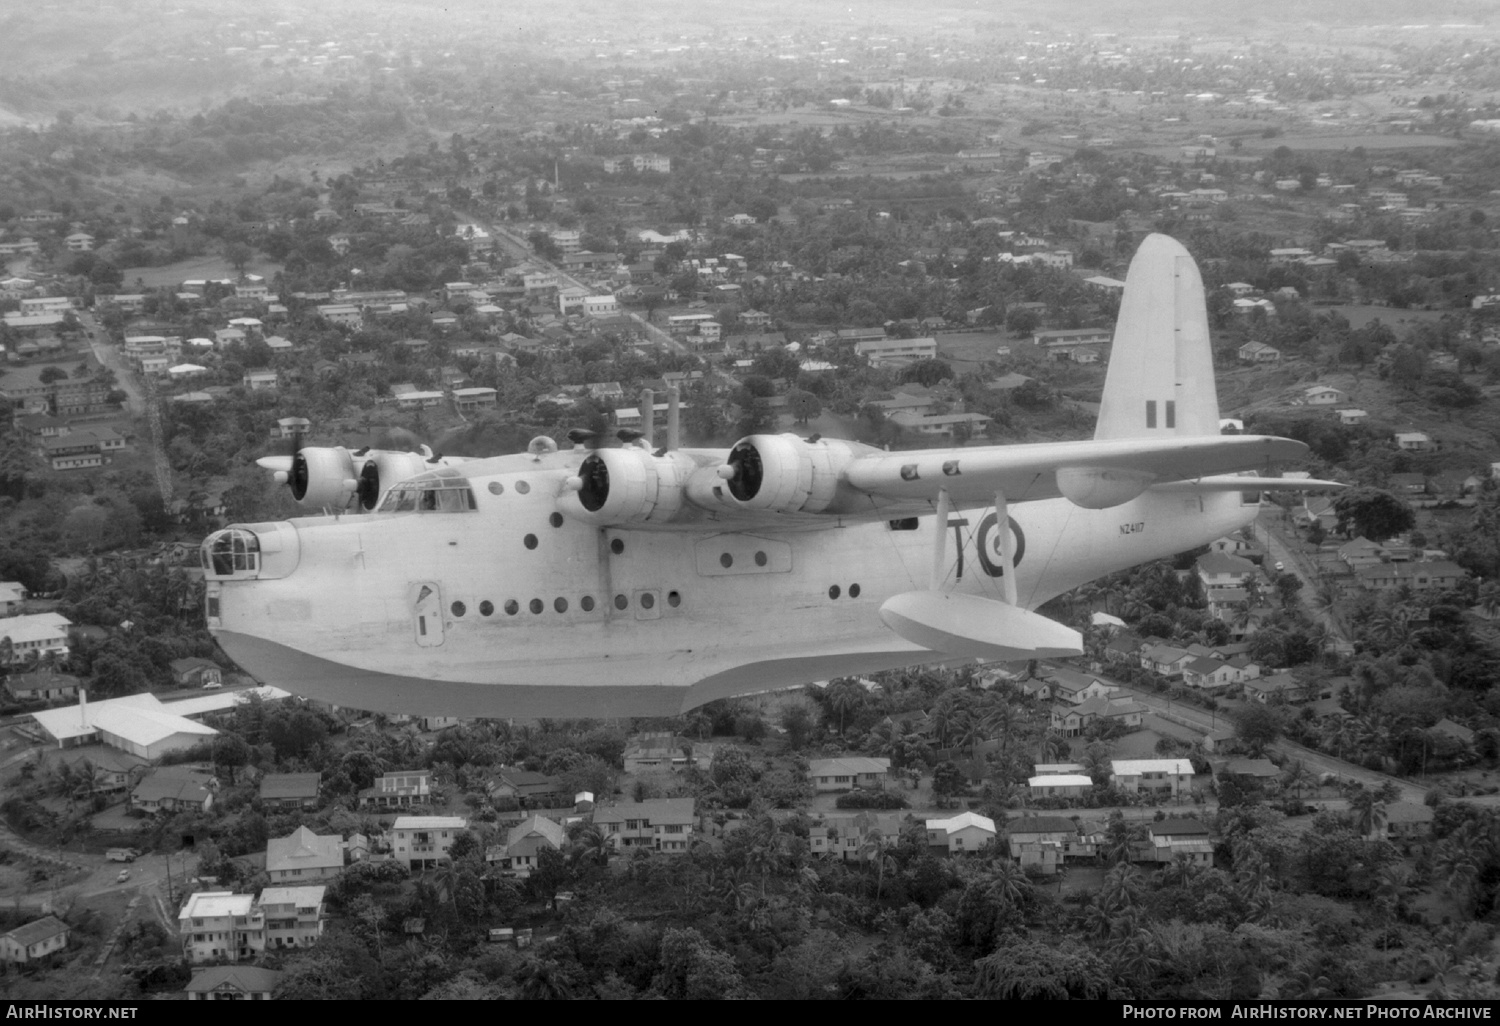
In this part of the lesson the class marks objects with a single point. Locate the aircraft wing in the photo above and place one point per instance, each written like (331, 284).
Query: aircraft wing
(1095, 474)
(789, 483)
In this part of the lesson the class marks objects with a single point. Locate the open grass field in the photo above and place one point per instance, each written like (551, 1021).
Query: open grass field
(213, 266)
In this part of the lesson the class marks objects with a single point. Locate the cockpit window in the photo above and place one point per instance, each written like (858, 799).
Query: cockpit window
(444, 490)
(230, 552)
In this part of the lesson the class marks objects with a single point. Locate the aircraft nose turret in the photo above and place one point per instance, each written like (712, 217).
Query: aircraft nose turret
(251, 552)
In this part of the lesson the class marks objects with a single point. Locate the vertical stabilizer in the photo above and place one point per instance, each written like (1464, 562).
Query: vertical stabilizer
(1161, 368)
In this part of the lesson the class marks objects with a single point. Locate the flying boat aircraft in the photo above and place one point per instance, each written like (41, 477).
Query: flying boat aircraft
(640, 581)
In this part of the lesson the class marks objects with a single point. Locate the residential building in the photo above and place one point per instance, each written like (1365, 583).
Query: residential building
(294, 916)
(1258, 352)
(1323, 395)
(42, 686)
(290, 790)
(1172, 839)
(848, 773)
(12, 596)
(1073, 687)
(524, 843)
(174, 788)
(1166, 660)
(37, 939)
(663, 751)
(530, 789)
(261, 379)
(421, 842)
(1405, 821)
(195, 672)
(661, 824)
(968, 831)
(1281, 686)
(854, 836)
(1413, 441)
(897, 352)
(1060, 785)
(1438, 575)
(233, 983)
(1042, 841)
(304, 857)
(1067, 338)
(398, 789)
(35, 635)
(221, 926)
(1169, 776)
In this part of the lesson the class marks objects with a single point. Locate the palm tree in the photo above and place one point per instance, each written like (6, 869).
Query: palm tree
(1009, 883)
(1297, 776)
(543, 980)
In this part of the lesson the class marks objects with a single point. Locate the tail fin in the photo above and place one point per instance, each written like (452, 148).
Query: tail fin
(1161, 369)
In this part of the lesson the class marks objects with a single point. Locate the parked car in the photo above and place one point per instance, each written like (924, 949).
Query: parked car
(212, 685)
(124, 875)
(122, 854)
(1280, 565)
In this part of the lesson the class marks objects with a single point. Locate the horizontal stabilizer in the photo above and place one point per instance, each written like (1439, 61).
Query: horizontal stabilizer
(1232, 483)
(974, 626)
(281, 463)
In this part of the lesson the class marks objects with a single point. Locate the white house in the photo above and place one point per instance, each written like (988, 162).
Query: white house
(421, 842)
(1173, 776)
(848, 773)
(294, 916)
(221, 926)
(968, 831)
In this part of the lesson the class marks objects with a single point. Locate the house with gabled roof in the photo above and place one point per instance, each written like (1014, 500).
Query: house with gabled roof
(1167, 660)
(968, 831)
(1282, 685)
(661, 824)
(524, 844)
(233, 983)
(171, 788)
(848, 773)
(290, 790)
(1073, 687)
(304, 857)
(849, 836)
(35, 940)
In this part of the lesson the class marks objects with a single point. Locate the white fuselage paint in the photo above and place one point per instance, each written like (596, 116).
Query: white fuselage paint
(383, 611)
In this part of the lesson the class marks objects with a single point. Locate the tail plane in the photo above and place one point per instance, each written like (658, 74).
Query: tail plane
(1161, 371)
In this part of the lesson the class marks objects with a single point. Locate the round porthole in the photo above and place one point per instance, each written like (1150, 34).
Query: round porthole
(621, 602)
(512, 607)
(556, 520)
(648, 600)
(760, 559)
(537, 606)
(561, 605)
(674, 599)
(496, 488)
(522, 487)
(486, 608)
(854, 591)
(530, 541)
(587, 602)
(726, 561)
(833, 592)
(459, 609)
(617, 546)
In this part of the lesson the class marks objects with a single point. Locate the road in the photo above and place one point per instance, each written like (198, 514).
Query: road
(1296, 561)
(109, 356)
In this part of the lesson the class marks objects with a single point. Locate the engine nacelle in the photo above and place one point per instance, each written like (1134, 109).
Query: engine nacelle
(381, 470)
(1101, 487)
(785, 473)
(324, 478)
(626, 486)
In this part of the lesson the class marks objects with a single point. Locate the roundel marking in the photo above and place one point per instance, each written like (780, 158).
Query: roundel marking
(989, 544)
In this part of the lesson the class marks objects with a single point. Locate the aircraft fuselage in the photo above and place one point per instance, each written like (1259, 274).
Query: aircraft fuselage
(511, 609)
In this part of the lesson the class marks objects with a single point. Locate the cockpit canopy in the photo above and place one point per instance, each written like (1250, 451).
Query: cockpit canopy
(444, 490)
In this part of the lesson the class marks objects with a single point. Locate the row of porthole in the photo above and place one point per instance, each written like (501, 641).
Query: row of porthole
(496, 488)
(727, 560)
(834, 592)
(512, 607)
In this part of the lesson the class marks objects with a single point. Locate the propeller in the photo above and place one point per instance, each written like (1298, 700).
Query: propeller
(593, 483)
(745, 462)
(368, 489)
(298, 477)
